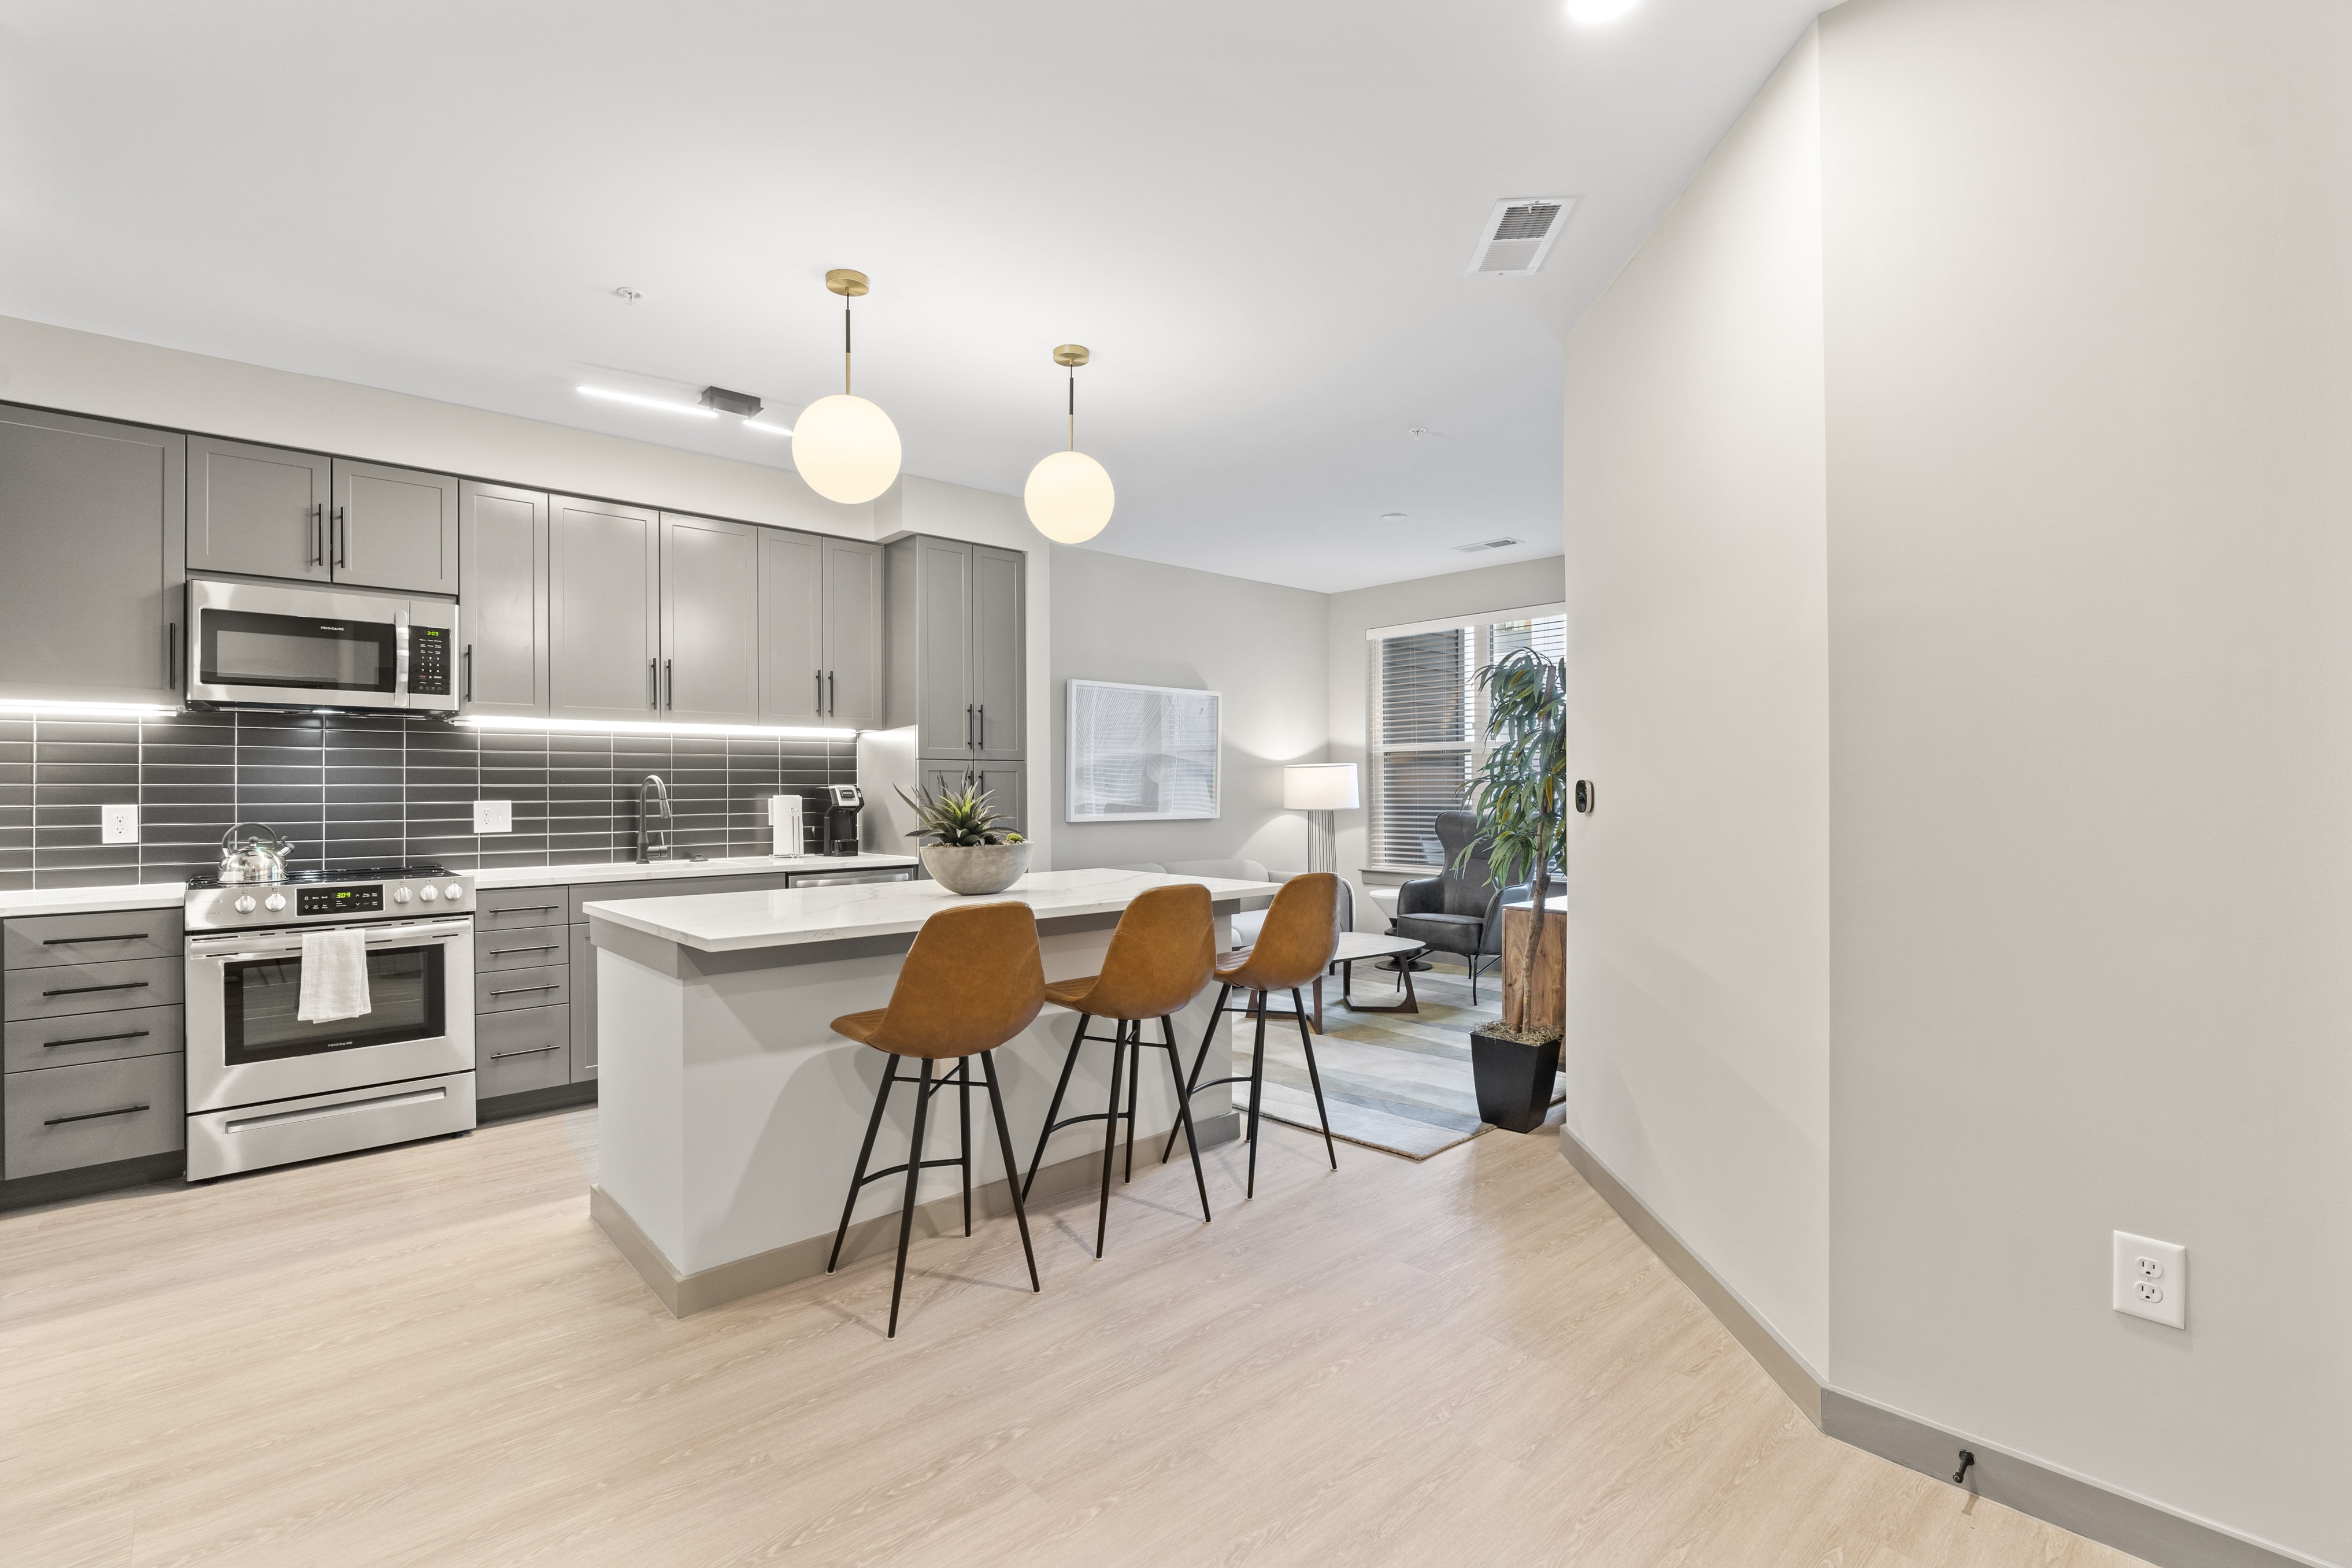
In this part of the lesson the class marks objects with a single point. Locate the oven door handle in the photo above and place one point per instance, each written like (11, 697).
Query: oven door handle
(398, 936)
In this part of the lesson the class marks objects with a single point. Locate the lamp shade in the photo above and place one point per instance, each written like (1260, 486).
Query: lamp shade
(846, 448)
(1319, 786)
(1069, 496)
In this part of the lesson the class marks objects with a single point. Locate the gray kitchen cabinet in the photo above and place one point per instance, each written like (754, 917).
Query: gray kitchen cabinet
(997, 658)
(1005, 782)
(710, 621)
(583, 1005)
(603, 610)
(63, 1118)
(515, 1053)
(792, 627)
(853, 634)
(261, 510)
(507, 990)
(395, 527)
(90, 603)
(502, 618)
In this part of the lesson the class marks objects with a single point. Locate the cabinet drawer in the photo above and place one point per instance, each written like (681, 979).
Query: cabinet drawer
(62, 1118)
(530, 1047)
(675, 887)
(513, 908)
(583, 1005)
(37, 1043)
(532, 945)
(58, 989)
(43, 939)
(546, 986)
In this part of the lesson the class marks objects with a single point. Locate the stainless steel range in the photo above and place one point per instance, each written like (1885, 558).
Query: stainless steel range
(266, 1087)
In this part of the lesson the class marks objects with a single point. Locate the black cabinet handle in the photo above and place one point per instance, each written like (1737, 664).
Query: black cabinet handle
(820, 691)
(84, 990)
(318, 533)
(342, 538)
(983, 727)
(94, 1115)
(69, 941)
(519, 991)
(523, 909)
(542, 947)
(831, 703)
(653, 674)
(669, 667)
(469, 671)
(172, 656)
(94, 1038)
(967, 727)
(534, 1051)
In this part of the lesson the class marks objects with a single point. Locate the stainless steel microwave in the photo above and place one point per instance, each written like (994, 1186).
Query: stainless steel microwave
(280, 645)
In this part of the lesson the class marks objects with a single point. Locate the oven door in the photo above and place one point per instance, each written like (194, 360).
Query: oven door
(303, 647)
(245, 1046)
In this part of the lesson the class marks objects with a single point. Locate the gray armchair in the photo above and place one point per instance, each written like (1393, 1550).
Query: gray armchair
(1457, 910)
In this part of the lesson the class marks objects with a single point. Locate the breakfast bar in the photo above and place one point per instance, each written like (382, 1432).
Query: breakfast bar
(729, 1113)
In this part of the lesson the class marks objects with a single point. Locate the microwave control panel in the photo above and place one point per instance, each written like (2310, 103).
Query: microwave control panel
(428, 661)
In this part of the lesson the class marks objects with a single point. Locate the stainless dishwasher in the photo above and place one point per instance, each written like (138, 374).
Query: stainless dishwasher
(851, 878)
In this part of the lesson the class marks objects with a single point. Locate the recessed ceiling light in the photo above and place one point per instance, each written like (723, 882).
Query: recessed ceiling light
(611, 397)
(1391, 516)
(1594, 13)
(766, 429)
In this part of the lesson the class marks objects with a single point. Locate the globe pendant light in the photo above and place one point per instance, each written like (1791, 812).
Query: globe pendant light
(845, 447)
(1069, 493)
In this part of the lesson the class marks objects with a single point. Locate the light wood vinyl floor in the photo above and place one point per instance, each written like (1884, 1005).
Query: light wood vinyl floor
(428, 1356)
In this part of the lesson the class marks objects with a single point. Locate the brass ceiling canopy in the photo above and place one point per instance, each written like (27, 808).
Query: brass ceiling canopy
(846, 283)
(1071, 354)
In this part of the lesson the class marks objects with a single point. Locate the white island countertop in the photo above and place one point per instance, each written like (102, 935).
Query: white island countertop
(734, 921)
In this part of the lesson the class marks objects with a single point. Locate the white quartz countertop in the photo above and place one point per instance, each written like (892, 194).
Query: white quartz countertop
(171, 894)
(732, 922)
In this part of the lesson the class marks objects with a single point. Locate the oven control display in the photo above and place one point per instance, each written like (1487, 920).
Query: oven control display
(365, 900)
(428, 661)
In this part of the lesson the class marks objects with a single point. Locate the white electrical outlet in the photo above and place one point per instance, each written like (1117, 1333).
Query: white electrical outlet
(494, 816)
(118, 824)
(2152, 1279)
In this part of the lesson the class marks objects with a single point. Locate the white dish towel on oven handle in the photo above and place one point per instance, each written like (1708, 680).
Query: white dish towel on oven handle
(334, 976)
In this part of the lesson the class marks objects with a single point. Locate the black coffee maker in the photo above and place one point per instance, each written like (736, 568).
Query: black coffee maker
(841, 819)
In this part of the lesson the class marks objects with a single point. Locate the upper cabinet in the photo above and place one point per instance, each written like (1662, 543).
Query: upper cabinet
(853, 634)
(820, 631)
(957, 647)
(710, 621)
(605, 635)
(270, 511)
(89, 605)
(502, 621)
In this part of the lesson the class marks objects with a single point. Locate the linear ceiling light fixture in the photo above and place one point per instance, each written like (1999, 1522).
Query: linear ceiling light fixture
(690, 410)
(626, 726)
(1069, 495)
(845, 447)
(766, 429)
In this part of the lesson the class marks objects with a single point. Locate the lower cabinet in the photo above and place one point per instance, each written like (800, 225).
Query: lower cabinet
(1006, 784)
(583, 1005)
(521, 1051)
(62, 1118)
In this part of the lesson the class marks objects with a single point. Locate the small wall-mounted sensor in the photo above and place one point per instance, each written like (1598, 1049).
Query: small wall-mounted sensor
(1584, 796)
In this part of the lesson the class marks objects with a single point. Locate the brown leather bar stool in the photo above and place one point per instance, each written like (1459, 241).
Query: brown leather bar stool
(1160, 958)
(972, 981)
(1293, 948)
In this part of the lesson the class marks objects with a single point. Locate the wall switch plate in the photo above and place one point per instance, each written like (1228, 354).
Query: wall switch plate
(2152, 1279)
(118, 824)
(494, 816)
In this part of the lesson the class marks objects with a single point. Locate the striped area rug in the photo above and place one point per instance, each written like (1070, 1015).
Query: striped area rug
(1399, 1083)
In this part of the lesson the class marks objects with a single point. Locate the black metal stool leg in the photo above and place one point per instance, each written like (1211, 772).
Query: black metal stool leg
(1110, 1148)
(963, 1092)
(1257, 1087)
(906, 1215)
(1134, 1075)
(865, 1153)
(1192, 1079)
(1069, 1064)
(1315, 1079)
(1004, 1147)
(1184, 1113)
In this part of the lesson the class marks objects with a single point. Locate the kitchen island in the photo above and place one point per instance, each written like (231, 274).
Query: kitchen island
(729, 1113)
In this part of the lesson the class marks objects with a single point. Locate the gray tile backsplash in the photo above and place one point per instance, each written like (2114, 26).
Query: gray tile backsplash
(354, 788)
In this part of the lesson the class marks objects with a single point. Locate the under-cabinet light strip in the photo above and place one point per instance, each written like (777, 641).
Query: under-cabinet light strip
(27, 707)
(642, 727)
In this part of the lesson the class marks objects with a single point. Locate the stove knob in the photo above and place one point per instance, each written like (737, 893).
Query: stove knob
(453, 891)
(400, 895)
(427, 893)
(273, 903)
(245, 903)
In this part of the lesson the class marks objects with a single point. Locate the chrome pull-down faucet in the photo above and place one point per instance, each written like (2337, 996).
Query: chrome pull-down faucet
(649, 792)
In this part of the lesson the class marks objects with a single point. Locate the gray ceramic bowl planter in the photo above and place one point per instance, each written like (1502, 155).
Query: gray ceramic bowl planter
(973, 869)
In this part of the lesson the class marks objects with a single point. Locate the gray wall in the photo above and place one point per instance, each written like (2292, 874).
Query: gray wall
(1264, 647)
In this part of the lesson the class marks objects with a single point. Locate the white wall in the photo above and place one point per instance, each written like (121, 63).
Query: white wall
(1698, 1048)
(1261, 645)
(2090, 385)
(1510, 586)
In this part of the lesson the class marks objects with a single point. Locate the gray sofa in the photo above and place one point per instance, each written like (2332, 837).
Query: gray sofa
(1246, 923)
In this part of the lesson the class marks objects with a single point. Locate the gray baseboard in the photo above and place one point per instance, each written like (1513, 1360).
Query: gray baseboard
(2159, 1535)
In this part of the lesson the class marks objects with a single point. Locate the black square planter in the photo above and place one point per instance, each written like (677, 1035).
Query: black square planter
(1513, 1080)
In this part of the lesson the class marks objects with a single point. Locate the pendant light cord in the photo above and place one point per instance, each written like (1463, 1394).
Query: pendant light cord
(844, 345)
(1074, 408)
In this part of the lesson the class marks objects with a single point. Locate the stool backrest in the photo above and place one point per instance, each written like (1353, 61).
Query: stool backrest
(1300, 934)
(1160, 956)
(972, 981)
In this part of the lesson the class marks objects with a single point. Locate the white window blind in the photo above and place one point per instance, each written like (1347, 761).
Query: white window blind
(1428, 723)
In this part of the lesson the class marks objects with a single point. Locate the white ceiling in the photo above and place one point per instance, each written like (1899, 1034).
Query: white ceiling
(1256, 215)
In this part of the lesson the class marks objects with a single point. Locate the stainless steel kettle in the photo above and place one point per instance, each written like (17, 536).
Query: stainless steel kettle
(254, 857)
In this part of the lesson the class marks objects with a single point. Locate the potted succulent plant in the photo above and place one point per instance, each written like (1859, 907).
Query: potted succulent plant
(1521, 794)
(965, 845)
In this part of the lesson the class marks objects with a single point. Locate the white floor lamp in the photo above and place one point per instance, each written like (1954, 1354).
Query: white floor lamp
(1319, 789)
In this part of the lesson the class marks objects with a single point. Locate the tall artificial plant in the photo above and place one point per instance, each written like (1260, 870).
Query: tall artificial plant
(1520, 795)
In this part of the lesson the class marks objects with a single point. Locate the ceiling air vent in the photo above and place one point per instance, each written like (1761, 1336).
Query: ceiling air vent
(1518, 234)
(1485, 544)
